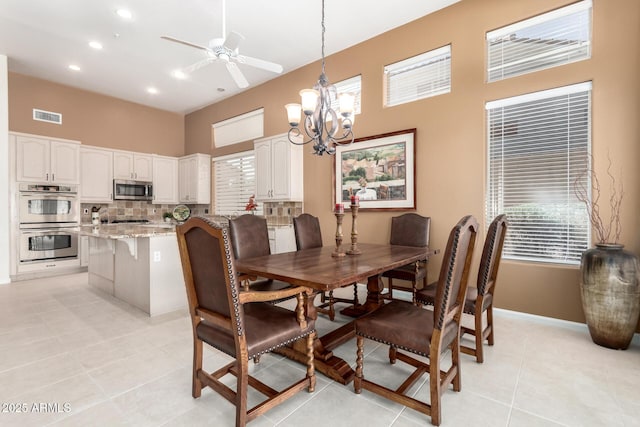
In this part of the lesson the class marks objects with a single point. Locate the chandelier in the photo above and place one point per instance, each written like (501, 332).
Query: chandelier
(321, 121)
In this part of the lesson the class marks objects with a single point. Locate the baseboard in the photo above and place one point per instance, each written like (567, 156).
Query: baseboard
(543, 320)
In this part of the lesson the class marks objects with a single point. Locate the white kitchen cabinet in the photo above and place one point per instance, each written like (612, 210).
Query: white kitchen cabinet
(195, 179)
(279, 171)
(96, 175)
(83, 250)
(282, 239)
(165, 180)
(132, 166)
(45, 160)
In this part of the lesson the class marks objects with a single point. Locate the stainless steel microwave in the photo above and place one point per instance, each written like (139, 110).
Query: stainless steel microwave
(132, 190)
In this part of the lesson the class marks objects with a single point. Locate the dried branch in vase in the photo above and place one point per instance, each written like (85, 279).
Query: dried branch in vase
(604, 230)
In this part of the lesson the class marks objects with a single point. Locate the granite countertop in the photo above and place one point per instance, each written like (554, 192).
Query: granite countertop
(124, 231)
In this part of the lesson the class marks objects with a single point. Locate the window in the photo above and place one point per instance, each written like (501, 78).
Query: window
(422, 76)
(235, 182)
(352, 85)
(538, 147)
(244, 127)
(548, 40)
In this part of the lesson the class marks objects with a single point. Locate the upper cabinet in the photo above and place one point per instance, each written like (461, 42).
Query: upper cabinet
(132, 166)
(44, 160)
(195, 179)
(165, 179)
(96, 175)
(279, 171)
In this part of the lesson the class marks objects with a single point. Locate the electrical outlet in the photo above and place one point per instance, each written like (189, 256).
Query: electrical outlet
(156, 256)
(86, 211)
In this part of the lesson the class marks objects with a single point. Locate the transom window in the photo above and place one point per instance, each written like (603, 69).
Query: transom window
(538, 148)
(419, 77)
(548, 40)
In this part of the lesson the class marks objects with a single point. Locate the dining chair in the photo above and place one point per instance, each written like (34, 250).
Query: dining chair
(480, 297)
(239, 323)
(308, 235)
(249, 239)
(430, 333)
(409, 229)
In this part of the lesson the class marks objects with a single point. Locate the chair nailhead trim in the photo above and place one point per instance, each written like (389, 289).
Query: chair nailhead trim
(412, 350)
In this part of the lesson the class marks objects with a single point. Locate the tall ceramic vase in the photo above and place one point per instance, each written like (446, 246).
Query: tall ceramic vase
(610, 294)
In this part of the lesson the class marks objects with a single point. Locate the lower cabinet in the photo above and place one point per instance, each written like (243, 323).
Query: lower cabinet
(282, 239)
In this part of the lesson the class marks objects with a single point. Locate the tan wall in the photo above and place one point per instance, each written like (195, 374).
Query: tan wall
(451, 146)
(92, 118)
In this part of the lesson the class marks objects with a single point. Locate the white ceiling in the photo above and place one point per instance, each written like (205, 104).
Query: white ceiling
(42, 37)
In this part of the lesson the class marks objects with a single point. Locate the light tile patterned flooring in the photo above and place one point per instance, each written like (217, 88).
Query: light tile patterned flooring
(109, 364)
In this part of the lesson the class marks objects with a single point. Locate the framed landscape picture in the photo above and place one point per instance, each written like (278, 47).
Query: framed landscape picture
(379, 169)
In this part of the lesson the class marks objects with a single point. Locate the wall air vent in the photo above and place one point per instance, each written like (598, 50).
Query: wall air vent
(47, 116)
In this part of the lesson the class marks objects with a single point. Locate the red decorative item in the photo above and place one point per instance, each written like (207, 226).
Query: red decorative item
(251, 204)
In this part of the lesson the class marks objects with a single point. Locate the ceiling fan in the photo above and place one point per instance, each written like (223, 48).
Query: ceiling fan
(226, 50)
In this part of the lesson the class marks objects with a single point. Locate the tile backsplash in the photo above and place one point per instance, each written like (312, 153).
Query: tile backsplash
(125, 209)
(276, 213)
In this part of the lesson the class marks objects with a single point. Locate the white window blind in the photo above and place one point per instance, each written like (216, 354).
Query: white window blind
(235, 182)
(538, 146)
(352, 85)
(422, 76)
(548, 40)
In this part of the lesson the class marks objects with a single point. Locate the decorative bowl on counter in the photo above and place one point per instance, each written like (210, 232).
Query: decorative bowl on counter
(181, 213)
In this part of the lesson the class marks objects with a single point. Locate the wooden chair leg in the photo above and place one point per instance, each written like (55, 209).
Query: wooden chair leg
(435, 385)
(455, 362)
(311, 373)
(479, 333)
(490, 323)
(355, 295)
(332, 310)
(357, 381)
(241, 393)
(196, 384)
(393, 354)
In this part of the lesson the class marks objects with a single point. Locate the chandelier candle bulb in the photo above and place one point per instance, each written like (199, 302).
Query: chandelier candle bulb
(293, 114)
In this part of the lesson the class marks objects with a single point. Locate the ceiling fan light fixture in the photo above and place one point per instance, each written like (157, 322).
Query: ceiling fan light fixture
(179, 74)
(124, 14)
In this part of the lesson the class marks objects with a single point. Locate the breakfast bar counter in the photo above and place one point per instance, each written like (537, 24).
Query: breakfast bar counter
(138, 264)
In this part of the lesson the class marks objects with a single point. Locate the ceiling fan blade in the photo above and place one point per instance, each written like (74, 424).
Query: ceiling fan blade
(260, 63)
(237, 75)
(233, 40)
(172, 39)
(197, 65)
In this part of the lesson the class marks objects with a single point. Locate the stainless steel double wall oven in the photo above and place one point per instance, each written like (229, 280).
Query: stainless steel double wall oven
(49, 216)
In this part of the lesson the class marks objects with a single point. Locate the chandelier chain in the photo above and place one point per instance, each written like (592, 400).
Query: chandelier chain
(323, 30)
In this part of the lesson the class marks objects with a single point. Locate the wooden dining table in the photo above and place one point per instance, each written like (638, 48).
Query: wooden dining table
(317, 269)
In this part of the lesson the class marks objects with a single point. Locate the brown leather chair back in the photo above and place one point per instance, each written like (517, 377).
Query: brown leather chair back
(208, 268)
(491, 254)
(249, 236)
(454, 273)
(307, 230)
(410, 229)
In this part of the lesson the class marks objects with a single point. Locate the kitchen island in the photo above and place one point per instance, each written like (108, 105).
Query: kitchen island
(139, 264)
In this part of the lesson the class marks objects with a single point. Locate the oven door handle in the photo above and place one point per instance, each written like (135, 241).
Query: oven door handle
(47, 231)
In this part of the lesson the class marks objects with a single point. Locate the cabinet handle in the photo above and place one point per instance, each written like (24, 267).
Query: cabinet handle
(47, 177)
(53, 177)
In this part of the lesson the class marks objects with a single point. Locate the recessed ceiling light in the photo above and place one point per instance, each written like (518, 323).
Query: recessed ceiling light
(220, 89)
(74, 67)
(179, 74)
(124, 14)
(95, 45)
(152, 90)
